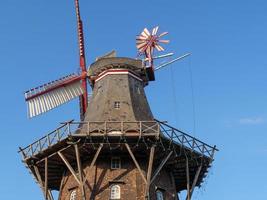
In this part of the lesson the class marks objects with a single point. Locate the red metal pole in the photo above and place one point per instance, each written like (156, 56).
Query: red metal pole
(84, 98)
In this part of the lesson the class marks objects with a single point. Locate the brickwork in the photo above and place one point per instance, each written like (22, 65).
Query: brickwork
(102, 177)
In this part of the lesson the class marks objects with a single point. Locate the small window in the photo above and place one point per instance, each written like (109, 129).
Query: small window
(115, 163)
(117, 105)
(160, 195)
(73, 195)
(115, 192)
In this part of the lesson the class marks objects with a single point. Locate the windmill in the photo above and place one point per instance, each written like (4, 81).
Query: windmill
(118, 150)
(53, 94)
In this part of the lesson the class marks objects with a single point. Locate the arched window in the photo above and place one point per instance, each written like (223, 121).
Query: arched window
(115, 192)
(160, 195)
(73, 195)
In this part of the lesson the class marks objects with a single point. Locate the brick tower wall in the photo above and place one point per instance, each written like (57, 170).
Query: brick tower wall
(101, 177)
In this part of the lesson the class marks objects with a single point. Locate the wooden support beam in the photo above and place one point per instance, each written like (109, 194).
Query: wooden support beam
(53, 154)
(136, 163)
(69, 167)
(77, 153)
(38, 178)
(46, 178)
(51, 197)
(161, 166)
(40, 181)
(149, 170)
(187, 180)
(174, 185)
(195, 180)
(61, 184)
(93, 161)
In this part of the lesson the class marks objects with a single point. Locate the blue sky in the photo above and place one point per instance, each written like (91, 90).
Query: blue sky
(228, 42)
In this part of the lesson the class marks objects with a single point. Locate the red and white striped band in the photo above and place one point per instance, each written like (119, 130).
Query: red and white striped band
(116, 72)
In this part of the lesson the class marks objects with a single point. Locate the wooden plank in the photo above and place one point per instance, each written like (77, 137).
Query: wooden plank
(93, 161)
(77, 153)
(69, 167)
(161, 166)
(136, 163)
(149, 170)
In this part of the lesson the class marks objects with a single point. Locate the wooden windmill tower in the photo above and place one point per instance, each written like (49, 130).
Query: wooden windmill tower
(118, 150)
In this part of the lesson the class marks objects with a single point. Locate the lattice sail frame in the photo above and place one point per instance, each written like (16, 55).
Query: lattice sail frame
(53, 94)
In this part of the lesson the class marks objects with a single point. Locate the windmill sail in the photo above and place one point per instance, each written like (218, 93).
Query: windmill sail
(53, 94)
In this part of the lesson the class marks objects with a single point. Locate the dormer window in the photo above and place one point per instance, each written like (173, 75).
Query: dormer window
(117, 105)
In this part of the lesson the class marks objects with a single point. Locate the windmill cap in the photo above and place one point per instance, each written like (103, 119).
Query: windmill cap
(103, 64)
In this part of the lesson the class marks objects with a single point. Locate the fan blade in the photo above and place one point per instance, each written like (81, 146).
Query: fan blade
(146, 32)
(159, 48)
(139, 43)
(53, 94)
(141, 37)
(144, 48)
(141, 47)
(162, 34)
(164, 41)
(155, 30)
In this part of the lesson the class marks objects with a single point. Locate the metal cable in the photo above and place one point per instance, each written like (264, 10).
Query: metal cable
(192, 96)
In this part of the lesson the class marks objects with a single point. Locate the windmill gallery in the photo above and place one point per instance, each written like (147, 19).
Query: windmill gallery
(118, 150)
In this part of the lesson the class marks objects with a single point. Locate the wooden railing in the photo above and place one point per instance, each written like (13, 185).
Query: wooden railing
(187, 141)
(115, 128)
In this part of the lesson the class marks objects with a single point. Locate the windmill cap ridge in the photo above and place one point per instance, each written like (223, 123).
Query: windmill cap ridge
(104, 64)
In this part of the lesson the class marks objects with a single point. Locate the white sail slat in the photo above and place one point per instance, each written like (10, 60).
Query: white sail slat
(48, 100)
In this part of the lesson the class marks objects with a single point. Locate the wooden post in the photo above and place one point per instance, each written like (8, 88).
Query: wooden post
(149, 170)
(187, 179)
(39, 179)
(50, 195)
(195, 180)
(46, 177)
(136, 163)
(61, 184)
(77, 153)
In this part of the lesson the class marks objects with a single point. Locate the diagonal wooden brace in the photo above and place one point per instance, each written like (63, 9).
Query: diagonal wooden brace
(161, 166)
(39, 179)
(195, 181)
(69, 167)
(93, 161)
(136, 163)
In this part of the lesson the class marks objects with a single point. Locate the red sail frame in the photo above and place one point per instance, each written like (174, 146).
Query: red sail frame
(84, 97)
